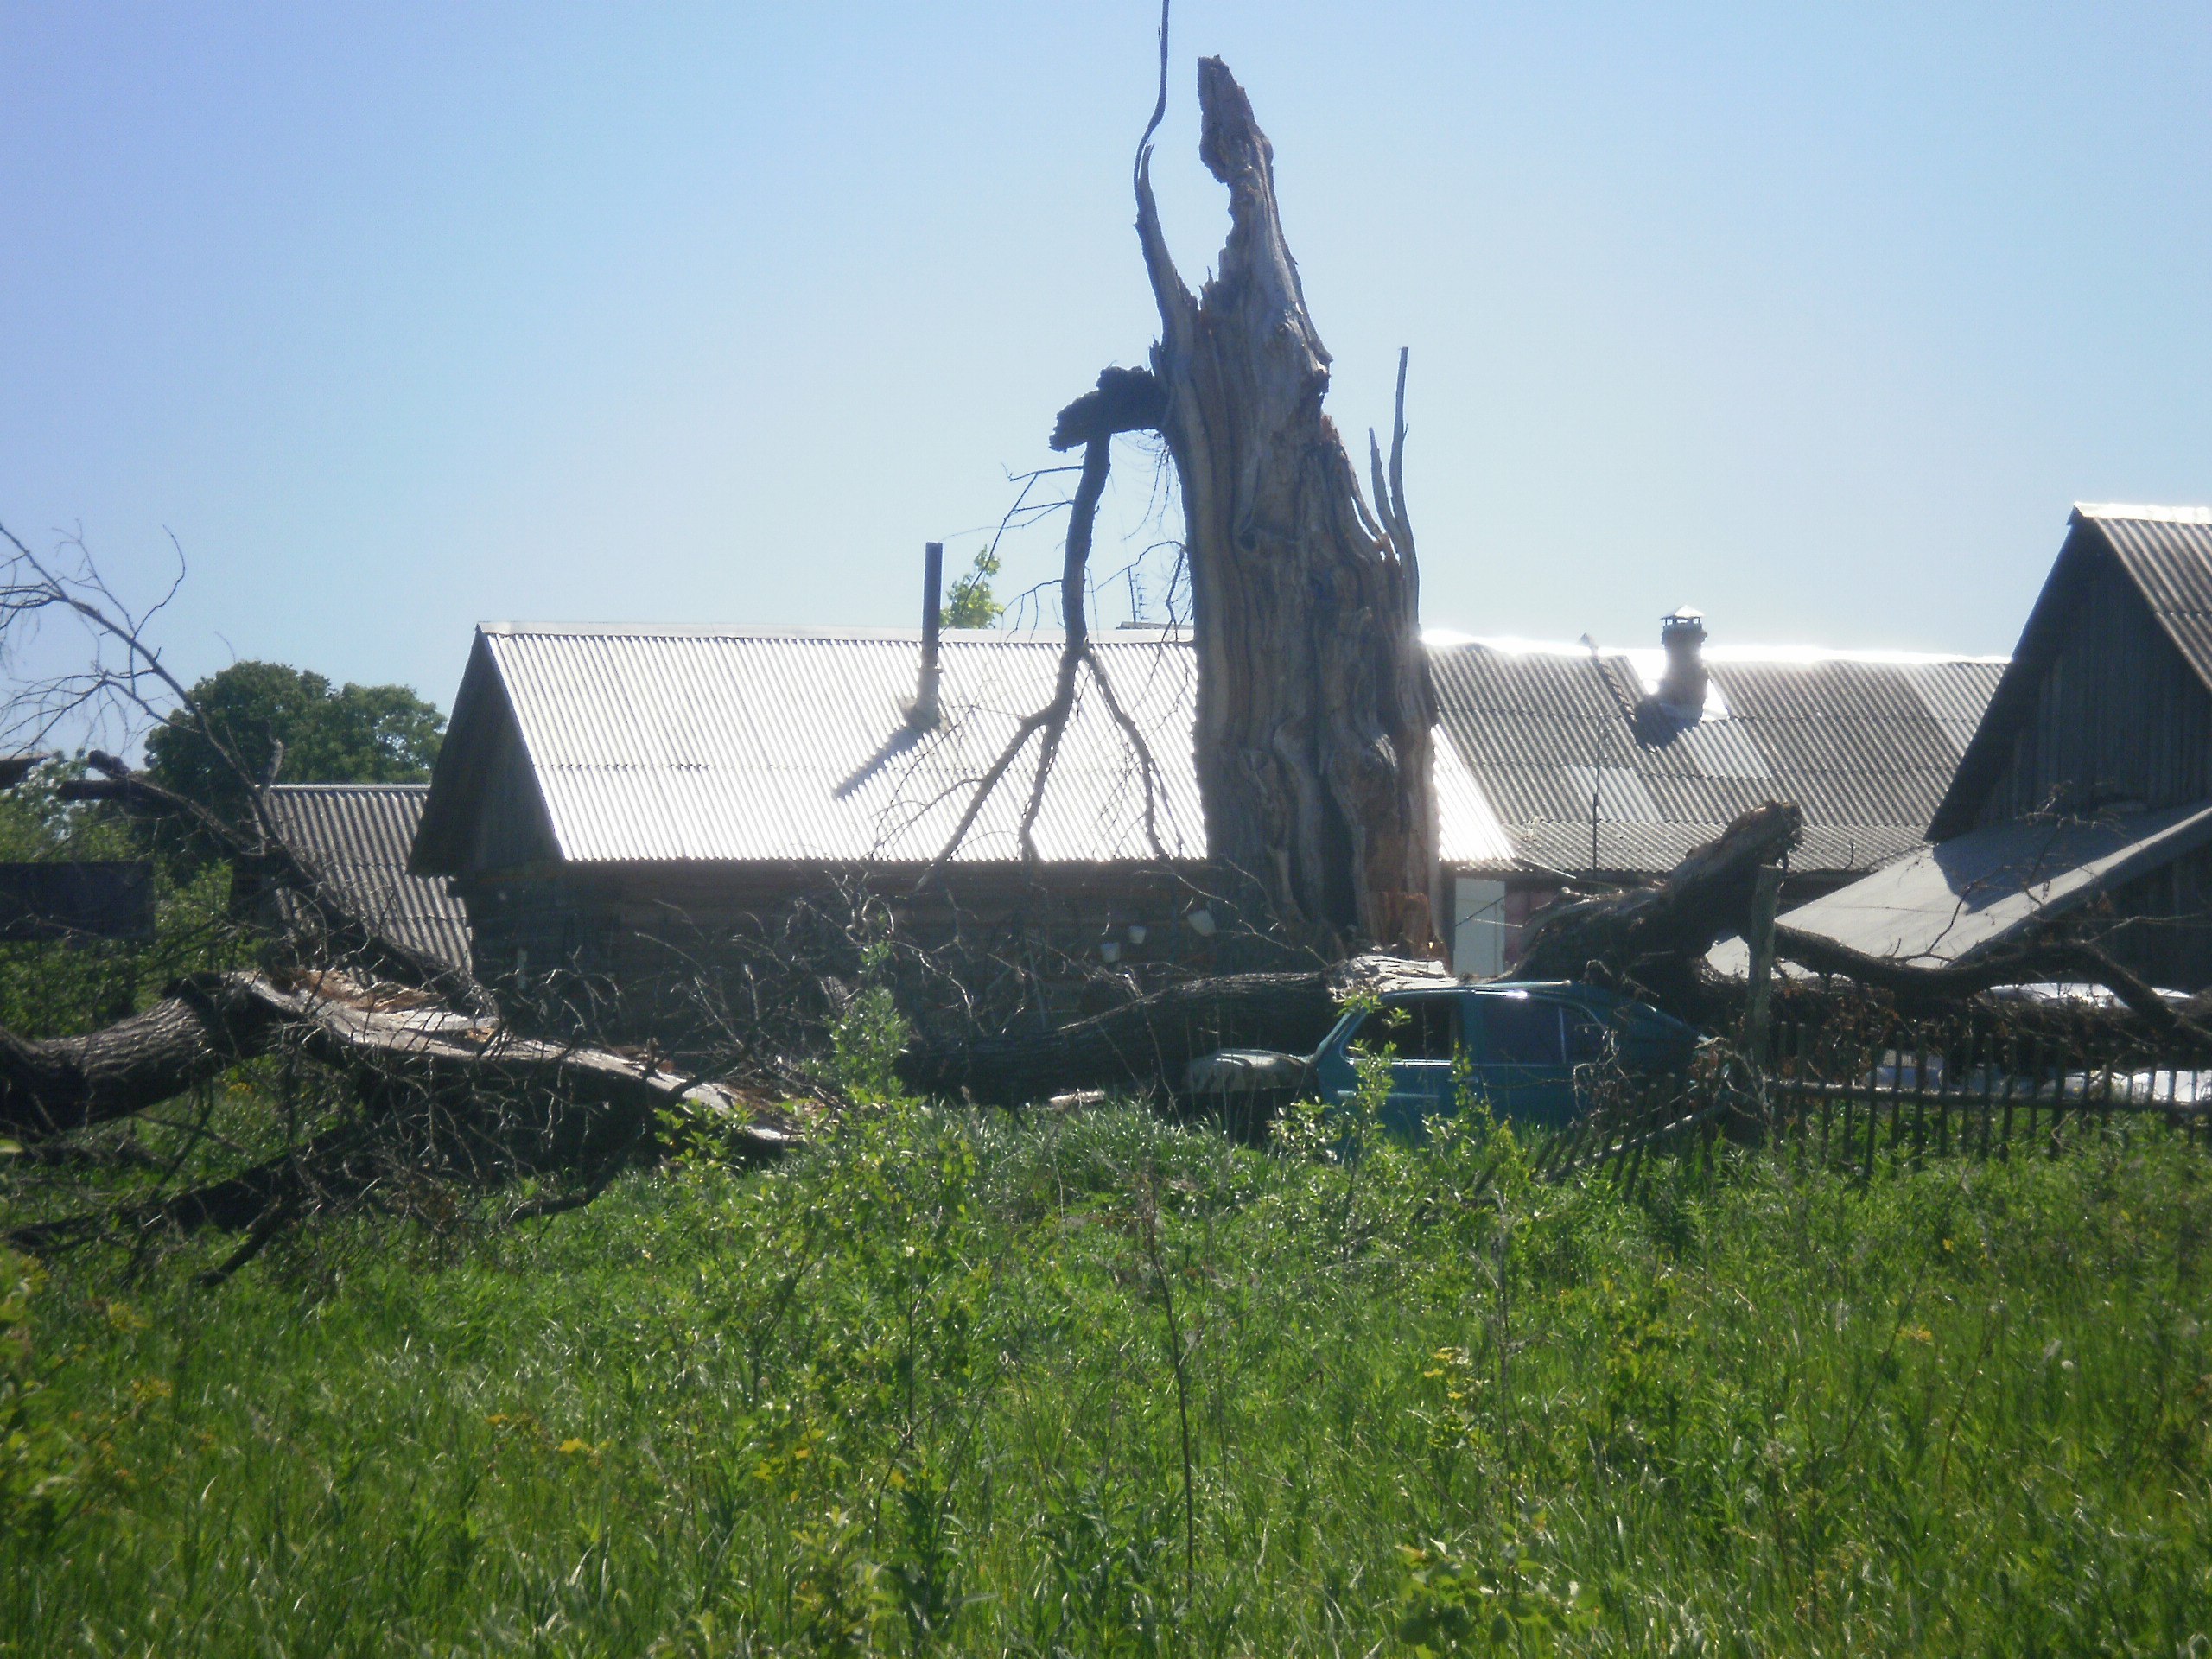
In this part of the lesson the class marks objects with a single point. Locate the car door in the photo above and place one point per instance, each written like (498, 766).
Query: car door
(1423, 1032)
(1520, 1044)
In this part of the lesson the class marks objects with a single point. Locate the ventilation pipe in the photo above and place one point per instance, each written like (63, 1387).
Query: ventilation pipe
(1683, 686)
(1678, 704)
(924, 713)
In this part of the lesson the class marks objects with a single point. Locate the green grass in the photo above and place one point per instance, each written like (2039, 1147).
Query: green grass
(919, 1389)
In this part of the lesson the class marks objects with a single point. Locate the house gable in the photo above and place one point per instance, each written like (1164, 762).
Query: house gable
(2106, 699)
(486, 809)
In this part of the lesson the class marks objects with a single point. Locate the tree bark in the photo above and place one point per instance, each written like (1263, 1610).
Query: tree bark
(1143, 1044)
(515, 1095)
(1314, 706)
(1654, 939)
(205, 1026)
(2032, 961)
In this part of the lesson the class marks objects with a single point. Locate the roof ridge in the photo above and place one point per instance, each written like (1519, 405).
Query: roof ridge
(2143, 514)
(1724, 654)
(826, 636)
(301, 789)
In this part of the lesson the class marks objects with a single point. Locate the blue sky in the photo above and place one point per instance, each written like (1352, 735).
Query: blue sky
(401, 317)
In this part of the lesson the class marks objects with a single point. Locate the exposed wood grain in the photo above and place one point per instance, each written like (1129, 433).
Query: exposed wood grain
(1314, 706)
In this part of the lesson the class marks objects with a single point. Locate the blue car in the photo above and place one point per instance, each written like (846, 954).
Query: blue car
(1518, 1047)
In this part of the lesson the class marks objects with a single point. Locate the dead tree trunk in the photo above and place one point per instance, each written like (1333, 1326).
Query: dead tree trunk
(484, 1079)
(1314, 707)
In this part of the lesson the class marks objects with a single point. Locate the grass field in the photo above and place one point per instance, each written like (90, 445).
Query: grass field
(1098, 1385)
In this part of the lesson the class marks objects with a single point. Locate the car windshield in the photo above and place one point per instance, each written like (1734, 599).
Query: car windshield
(1587, 1038)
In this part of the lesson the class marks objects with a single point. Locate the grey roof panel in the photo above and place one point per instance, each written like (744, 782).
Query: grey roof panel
(2170, 560)
(659, 745)
(1949, 902)
(1865, 744)
(355, 837)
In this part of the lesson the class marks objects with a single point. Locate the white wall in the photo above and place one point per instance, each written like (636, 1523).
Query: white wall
(1477, 926)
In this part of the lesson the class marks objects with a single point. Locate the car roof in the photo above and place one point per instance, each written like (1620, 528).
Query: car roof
(1506, 987)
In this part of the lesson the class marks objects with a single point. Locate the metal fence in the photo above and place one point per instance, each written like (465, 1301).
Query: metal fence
(1863, 1092)
(1968, 1089)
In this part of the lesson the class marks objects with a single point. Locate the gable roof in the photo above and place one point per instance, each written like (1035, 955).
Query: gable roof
(2164, 553)
(655, 744)
(356, 838)
(1865, 742)
(660, 744)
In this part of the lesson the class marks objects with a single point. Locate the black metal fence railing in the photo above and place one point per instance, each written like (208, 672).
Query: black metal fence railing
(1859, 1094)
(1969, 1089)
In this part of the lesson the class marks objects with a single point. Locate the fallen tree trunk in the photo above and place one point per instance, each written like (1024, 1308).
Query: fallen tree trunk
(1917, 988)
(1146, 1045)
(1143, 1045)
(512, 1091)
(205, 1026)
(1653, 940)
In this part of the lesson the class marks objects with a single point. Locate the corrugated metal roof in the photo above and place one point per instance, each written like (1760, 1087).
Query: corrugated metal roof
(653, 744)
(1950, 902)
(676, 745)
(355, 837)
(2169, 557)
(1864, 743)
(2165, 552)
(1468, 832)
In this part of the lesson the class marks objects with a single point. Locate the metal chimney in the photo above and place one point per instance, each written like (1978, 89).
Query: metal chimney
(1679, 703)
(1683, 684)
(923, 714)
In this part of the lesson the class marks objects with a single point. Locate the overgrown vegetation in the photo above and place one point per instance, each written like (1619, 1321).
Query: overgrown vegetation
(54, 988)
(1095, 1384)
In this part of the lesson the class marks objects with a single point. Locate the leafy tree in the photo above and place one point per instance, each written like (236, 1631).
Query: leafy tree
(331, 734)
(969, 605)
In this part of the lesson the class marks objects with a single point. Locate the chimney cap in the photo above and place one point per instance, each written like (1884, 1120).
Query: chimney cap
(1682, 619)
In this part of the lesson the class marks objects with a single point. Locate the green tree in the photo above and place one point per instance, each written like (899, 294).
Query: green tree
(969, 605)
(331, 734)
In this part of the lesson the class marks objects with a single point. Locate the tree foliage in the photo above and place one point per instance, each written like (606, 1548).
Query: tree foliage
(970, 602)
(332, 735)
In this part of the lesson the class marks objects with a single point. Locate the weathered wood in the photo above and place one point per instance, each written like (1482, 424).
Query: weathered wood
(533, 1090)
(2034, 960)
(1654, 939)
(1766, 893)
(1314, 706)
(206, 1025)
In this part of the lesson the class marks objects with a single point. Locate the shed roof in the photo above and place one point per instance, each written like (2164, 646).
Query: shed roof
(2164, 553)
(355, 837)
(1865, 742)
(1952, 901)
